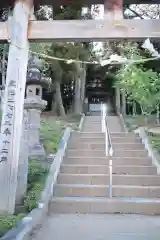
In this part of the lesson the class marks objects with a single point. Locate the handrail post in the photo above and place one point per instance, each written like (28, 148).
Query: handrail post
(103, 117)
(110, 177)
(106, 143)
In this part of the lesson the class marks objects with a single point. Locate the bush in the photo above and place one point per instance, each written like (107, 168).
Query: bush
(36, 173)
(9, 221)
(36, 181)
(30, 201)
(155, 141)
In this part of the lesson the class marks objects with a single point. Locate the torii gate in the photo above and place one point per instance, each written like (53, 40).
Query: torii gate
(113, 27)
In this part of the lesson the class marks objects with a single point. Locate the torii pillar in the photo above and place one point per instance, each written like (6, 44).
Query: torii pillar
(113, 10)
(13, 105)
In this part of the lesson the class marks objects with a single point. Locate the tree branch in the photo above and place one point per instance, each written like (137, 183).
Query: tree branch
(133, 11)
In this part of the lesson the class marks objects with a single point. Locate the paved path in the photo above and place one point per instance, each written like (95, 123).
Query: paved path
(100, 227)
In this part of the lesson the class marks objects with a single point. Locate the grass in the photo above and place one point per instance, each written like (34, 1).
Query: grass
(51, 133)
(37, 174)
(52, 129)
(9, 221)
(134, 121)
(155, 141)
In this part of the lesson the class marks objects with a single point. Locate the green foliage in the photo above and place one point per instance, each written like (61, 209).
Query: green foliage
(51, 133)
(36, 172)
(36, 181)
(140, 85)
(9, 221)
(2, 46)
(60, 70)
(32, 197)
(155, 142)
(133, 122)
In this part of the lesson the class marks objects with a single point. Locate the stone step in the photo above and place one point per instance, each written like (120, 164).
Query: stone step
(98, 161)
(85, 145)
(92, 118)
(83, 190)
(92, 129)
(127, 153)
(92, 124)
(97, 179)
(79, 140)
(91, 135)
(100, 179)
(135, 170)
(101, 153)
(98, 146)
(128, 146)
(101, 169)
(114, 128)
(123, 135)
(125, 140)
(85, 153)
(105, 205)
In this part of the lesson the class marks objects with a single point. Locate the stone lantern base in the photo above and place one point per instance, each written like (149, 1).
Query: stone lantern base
(34, 108)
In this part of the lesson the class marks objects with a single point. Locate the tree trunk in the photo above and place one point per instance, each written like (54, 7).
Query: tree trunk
(54, 106)
(124, 104)
(118, 100)
(157, 115)
(77, 97)
(134, 108)
(58, 99)
(83, 84)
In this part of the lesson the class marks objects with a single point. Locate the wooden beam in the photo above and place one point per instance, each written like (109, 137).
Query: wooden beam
(113, 10)
(88, 30)
(57, 3)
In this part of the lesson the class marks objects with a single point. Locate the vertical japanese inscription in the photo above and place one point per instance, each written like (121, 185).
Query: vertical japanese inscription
(7, 121)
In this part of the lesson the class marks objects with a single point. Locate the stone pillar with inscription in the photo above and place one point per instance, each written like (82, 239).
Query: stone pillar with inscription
(23, 162)
(34, 106)
(12, 115)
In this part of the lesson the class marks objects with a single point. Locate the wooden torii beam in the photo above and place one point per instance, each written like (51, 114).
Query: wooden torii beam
(87, 30)
(113, 27)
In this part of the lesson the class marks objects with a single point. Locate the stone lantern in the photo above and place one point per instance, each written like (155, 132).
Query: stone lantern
(34, 106)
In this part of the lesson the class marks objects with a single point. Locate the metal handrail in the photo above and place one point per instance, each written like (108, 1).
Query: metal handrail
(108, 143)
(110, 147)
(110, 154)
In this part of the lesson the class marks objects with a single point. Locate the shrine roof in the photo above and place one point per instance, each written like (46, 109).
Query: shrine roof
(6, 3)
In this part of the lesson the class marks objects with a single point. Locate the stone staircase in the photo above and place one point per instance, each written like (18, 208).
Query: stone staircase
(83, 182)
